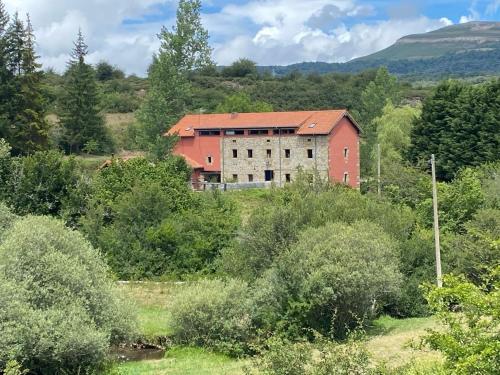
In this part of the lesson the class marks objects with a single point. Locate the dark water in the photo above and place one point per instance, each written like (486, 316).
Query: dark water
(142, 352)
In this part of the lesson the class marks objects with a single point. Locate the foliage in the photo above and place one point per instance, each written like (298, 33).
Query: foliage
(105, 72)
(345, 273)
(146, 220)
(459, 124)
(7, 220)
(183, 49)
(478, 249)
(60, 311)
(22, 103)
(458, 202)
(241, 68)
(274, 227)
(470, 313)
(242, 103)
(46, 183)
(322, 358)
(214, 314)
(81, 120)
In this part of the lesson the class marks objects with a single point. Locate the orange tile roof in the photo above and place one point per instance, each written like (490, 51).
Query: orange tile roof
(308, 122)
(192, 163)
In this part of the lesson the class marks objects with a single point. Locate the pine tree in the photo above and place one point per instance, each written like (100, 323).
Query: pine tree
(183, 49)
(5, 76)
(81, 119)
(32, 132)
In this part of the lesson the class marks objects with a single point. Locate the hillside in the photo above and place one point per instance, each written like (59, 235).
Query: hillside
(464, 50)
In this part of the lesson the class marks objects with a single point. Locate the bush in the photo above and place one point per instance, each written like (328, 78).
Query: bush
(59, 310)
(322, 358)
(273, 228)
(333, 278)
(214, 314)
(470, 341)
(7, 219)
(45, 183)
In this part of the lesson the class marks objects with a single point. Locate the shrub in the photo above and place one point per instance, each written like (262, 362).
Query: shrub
(214, 314)
(332, 278)
(322, 358)
(45, 183)
(274, 228)
(7, 219)
(478, 249)
(59, 310)
(470, 340)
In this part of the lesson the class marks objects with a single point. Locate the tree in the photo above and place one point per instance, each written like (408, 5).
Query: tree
(384, 88)
(183, 49)
(33, 128)
(60, 309)
(459, 124)
(241, 68)
(242, 103)
(105, 72)
(470, 340)
(81, 120)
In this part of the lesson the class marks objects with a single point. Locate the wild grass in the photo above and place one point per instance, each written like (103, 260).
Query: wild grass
(185, 361)
(396, 342)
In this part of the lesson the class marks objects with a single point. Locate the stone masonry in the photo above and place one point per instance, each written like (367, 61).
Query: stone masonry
(243, 166)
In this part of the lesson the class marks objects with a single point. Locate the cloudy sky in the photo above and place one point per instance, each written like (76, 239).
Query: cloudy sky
(271, 32)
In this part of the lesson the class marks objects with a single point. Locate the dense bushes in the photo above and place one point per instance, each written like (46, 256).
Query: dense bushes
(59, 310)
(470, 340)
(148, 222)
(215, 314)
(45, 183)
(334, 278)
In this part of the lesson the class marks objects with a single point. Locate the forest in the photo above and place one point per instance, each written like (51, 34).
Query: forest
(296, 280)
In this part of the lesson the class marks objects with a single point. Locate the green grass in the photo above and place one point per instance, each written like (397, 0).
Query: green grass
(388, 339)
(185, 361)
(395, 341)
(248, 200)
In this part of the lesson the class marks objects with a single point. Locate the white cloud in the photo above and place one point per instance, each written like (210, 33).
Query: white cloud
(493, 7)
(290, 31)
(267, 31)
(56, 24)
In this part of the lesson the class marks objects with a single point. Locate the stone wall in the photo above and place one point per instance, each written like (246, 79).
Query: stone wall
(243, 166)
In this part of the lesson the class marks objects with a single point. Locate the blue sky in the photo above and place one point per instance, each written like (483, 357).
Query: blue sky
(274, 32)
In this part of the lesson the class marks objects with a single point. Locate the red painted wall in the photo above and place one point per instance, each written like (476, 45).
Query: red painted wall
(345, 134)
(199, 148)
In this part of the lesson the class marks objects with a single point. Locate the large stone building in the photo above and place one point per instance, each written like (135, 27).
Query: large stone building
(258, 147)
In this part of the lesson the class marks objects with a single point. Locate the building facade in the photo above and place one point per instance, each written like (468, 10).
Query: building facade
(259, 147)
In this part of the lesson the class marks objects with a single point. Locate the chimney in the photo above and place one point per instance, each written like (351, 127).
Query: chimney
(234, 115)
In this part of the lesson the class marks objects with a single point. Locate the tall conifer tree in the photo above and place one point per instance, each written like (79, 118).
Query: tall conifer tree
(5, 76)
(81, 119)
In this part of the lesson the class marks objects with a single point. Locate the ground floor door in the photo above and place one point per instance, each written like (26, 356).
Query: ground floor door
(269, 175)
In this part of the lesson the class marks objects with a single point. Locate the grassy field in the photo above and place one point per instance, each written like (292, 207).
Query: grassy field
(388, 340)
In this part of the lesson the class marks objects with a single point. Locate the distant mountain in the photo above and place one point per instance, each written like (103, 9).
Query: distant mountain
(469, 49)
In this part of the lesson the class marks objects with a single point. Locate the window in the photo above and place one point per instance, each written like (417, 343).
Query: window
(310, 153)
(288, 177)
(269, 153)
(235, 153)
(209, 132)
(269, 175)
(283, 131)
(234, 132)
(258, 132)
(250, 154)
(250, 178)
(235, 177)
(346, 152)
(287, 154)
(209, 160)
(346, 178)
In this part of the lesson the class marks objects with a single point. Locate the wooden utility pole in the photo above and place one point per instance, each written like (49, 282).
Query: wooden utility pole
(436, 223)
(379, 188)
